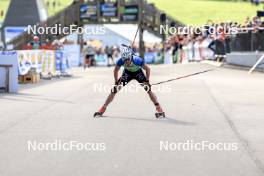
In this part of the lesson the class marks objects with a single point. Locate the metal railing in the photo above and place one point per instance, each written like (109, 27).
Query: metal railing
(251, 41)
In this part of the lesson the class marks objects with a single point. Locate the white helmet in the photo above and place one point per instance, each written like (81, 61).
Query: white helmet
(126, 53)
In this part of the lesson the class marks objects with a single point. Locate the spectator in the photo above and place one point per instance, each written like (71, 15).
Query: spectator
(109, 53)
(48, 4)
(176, 45)
(89, 56)
(2, 13)
(36, 43)
(54, 4)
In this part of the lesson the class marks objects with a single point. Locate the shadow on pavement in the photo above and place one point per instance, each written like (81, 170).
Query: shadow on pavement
(167, 120)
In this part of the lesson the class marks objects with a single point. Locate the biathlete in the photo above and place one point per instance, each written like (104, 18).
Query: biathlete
(133, 66)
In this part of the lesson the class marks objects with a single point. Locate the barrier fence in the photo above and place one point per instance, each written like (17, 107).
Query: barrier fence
(43, 61)
(251, 41)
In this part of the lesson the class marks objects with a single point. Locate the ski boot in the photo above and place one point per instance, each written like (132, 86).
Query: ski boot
(159, 112)
(100, 112)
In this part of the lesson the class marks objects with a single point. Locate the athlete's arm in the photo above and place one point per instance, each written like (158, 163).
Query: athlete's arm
(116, 73)
(145, 67)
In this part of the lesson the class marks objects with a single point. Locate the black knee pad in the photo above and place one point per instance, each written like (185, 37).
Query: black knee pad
(114, 89)
(147, 87)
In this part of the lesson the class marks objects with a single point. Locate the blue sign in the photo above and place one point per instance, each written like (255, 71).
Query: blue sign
(88, 11)
(12, 32)
(149, 57)
(60, 65)
(109, 10)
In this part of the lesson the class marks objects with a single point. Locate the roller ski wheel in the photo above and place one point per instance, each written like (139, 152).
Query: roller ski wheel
(99, 113)
(160, 115)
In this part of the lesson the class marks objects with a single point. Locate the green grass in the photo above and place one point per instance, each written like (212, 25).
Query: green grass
(197, 12)
(190, 12)
(63, 4)
(51, 11)
(3, 6)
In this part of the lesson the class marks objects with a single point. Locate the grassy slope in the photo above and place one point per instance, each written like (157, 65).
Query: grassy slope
(64, 3)
(196, 12)
(191, 12)
(3, 6)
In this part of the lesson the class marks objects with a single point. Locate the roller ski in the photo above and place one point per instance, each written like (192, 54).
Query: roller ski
(159, 113)
(99, 113)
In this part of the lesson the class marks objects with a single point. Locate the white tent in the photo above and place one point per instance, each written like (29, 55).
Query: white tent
(117, 34)
(129, 30)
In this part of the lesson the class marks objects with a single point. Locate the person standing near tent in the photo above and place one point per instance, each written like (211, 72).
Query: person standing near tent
(89, 54)
(36, 43)
(109, 53)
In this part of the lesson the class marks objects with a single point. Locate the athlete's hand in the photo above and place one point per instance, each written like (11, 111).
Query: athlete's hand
(147, 86)
(147, 83)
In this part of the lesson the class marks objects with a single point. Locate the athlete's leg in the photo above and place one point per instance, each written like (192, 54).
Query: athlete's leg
(123, 80)
(111, 96)
(155, 101)
(112, 59)
(141, 78)
(153, 97)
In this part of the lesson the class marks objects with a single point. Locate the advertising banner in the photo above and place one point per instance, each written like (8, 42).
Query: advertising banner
(59, 60)
(149, 57)
(130, 13)
(72, 55)
(109, 10)
(9, 58)
(62, 63)
(12, 32)
(88, 11)
(48, 62)
(42, 60)
(101, 60)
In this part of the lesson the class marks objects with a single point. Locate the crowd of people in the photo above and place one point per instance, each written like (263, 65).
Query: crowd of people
(91, 54)
(53, 3)
(210, 42)
(36, 44)
(256, 2)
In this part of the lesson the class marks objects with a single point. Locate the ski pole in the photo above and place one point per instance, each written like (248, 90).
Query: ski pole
(182, 77)
(135, 37)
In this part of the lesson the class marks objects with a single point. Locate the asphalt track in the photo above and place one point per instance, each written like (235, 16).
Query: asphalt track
(222, 106)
